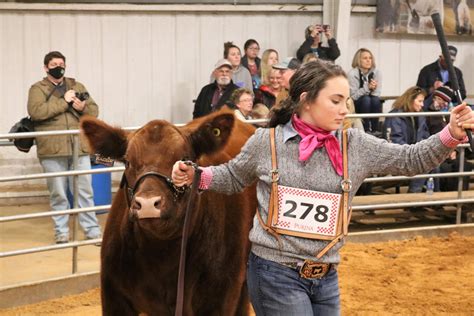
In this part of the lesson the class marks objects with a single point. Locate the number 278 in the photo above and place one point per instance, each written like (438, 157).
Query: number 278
(321, 211)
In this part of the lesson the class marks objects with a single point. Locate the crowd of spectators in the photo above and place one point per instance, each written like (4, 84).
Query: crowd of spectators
(264, 84)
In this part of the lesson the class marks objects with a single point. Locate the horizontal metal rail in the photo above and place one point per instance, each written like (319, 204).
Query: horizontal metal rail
(411, 204)
(121, 169)
(354, 208)
(365, 115)
(420, 176)
(71, 244)
(61, 174)
(54, 213)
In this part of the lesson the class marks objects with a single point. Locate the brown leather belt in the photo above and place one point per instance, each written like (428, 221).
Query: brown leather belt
(309, 269)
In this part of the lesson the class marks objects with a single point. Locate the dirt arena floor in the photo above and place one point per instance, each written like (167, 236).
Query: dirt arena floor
(420, 276)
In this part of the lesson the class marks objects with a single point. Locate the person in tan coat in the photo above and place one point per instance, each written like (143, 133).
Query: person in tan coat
(57, 103)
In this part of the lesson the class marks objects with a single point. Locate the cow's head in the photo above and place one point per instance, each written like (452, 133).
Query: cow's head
(149, 154)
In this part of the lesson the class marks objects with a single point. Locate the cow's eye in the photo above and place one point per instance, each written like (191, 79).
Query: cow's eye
(216, 131)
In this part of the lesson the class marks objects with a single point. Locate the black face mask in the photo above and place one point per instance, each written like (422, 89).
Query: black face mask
(57, 72)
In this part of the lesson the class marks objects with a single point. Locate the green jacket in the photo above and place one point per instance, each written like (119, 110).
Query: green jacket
(55, 114)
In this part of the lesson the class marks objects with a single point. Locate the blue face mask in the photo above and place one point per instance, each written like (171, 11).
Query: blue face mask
(57, 72)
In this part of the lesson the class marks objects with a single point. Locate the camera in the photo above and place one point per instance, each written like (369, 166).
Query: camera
(322, 27)
(83, 96)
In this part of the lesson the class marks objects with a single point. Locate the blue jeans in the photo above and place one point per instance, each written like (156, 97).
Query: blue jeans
(58, 188)
(416, 185)
(279, 290)
(369, 104)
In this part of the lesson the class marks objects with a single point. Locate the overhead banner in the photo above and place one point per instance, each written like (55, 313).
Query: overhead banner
(414, 16)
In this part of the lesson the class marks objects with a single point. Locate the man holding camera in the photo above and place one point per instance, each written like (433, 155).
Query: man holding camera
(313, 43)
(57, 103)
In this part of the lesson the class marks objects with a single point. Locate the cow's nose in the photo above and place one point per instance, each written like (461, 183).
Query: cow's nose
(147, 207)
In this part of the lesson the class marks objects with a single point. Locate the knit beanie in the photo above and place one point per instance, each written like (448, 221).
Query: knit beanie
(445, 93)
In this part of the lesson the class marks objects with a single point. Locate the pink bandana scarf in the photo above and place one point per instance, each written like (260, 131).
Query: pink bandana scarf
(314, 138)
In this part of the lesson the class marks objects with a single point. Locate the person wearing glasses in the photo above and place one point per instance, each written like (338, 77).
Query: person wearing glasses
(269, 91)
(251, 61)
(243, 101)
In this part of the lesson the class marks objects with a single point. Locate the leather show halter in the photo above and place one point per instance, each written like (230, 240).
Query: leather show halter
(178, 192)
(345, 212)
(131, 191)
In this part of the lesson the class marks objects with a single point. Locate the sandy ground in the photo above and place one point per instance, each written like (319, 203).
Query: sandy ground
(39, 232)
(414, 277)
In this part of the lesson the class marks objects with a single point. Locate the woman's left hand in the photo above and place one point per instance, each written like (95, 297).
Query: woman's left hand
(461, 114)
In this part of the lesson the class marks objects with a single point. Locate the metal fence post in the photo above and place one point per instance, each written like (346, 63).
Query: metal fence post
(460, 184)
(75, 162)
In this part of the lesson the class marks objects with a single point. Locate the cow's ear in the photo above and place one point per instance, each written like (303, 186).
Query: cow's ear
(104, 139)
(212, 134)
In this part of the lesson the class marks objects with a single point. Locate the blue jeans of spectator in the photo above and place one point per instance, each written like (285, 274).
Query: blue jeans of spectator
(277, 290)
(416, 185)
(369, 104)
(58, 188)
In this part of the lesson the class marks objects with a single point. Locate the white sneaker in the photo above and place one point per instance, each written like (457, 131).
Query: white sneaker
(61, 239)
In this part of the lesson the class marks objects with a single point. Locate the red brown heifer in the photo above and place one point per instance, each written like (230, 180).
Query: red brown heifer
(142, 237)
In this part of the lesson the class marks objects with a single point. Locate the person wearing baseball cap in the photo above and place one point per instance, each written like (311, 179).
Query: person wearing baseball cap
(216, 94)
(287, 68)
(444, 93)
(439, 101)
(436, 74)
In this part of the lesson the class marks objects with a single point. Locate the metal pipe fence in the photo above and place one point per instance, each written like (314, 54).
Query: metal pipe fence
(75, 244)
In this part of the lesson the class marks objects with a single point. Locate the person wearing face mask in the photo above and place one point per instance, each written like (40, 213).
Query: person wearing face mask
(216, 94)
(57, 103)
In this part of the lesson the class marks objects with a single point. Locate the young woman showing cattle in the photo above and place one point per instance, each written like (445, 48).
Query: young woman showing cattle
(307, 171)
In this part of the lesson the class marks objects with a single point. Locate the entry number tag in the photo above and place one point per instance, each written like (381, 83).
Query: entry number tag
(308, 211)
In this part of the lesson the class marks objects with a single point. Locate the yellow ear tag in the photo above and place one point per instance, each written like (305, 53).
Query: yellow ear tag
(216, 132)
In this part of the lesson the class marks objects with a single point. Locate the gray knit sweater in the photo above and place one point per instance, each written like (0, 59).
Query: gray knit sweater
(367, 155)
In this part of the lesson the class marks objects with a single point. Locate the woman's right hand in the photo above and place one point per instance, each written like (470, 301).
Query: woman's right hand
(372, 84)
(182, 174)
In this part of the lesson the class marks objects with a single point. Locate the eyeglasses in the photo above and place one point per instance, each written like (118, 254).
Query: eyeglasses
(246, 100)
(254, 48)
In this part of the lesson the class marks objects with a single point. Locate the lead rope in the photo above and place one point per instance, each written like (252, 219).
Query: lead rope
(184, 240)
